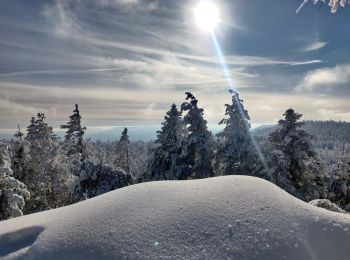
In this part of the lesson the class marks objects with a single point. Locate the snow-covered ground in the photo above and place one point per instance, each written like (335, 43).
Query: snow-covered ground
(233, 217)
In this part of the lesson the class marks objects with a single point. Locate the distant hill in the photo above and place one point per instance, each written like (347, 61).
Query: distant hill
(326, 135)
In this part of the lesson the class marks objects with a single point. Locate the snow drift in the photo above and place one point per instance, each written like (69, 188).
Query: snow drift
(233, 217)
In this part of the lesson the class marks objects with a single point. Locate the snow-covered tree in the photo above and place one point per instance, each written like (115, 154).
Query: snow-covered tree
(295, 148)
(166, 163)
(96, 179)
(32, 130)
(339, 184)
(123, 151)
(141, 154)
(19, 155)
(197, 153)
(75, 132)
(42, 150)
(40, 136)
(12, 192)
(334, 4)
(235, 146)
(327, 204)
(18, 134)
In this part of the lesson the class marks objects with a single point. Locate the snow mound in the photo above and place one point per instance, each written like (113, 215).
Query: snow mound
(232, 217)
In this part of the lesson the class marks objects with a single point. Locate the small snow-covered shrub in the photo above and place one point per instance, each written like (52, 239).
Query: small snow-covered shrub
(96, 179)
(326, 204)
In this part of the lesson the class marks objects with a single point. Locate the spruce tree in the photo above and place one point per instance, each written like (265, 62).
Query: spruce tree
(20, 156)
(295, 144)
(166, 162)
(197, 153)
(40, 136)
(19, 134)
(31, 130)
(12, 192)
(123, 151)
(235, 147)
(43, 146)
(75, 132)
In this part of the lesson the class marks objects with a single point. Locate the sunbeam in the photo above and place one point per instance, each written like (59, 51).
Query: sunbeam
(226, 72)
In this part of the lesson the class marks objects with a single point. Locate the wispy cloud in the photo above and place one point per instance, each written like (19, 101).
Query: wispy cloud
(315, 46)
(55, 72)
(68, 23)
(329, 77)
(17, 107)
(130, 59)
(128, 4)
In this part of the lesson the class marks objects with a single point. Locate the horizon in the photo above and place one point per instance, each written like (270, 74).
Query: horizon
(146, 132)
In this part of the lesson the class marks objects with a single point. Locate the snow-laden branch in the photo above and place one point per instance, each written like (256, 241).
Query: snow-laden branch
(334, 4)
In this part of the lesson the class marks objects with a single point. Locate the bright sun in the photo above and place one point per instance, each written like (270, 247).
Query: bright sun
(207, 15)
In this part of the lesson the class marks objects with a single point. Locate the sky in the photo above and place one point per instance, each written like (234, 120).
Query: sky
(126, 61)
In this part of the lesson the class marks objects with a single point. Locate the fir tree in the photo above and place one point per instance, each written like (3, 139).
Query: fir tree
(75, 132)
(31, 130)
(235, 146)
(296, 147)
(19, 134)
(12, 192)
(40, 136)
(166, 162)
(197, 152)
(43, 146)
(123, 151)
(20, 156)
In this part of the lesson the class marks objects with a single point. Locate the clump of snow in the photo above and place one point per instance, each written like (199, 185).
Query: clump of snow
(327, 204)
(231, 217)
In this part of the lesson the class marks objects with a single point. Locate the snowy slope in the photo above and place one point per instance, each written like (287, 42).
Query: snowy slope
(234, 217)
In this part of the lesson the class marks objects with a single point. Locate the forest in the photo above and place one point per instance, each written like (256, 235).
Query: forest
(308, 159)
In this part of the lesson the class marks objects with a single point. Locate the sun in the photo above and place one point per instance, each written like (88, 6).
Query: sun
(207, 15)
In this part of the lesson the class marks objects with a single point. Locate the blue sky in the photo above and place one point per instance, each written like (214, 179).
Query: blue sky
(126, 61)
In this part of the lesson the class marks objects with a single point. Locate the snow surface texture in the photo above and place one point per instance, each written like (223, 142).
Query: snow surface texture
(231, 217)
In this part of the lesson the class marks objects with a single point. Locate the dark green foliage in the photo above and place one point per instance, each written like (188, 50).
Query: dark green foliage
(166, 162)
(295, 144)
(75, 132)
(297, 155)
(197, 151)
(234, 145)
(123, 151)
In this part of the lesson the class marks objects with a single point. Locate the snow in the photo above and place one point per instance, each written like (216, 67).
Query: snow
(230, 217)
(327, 204)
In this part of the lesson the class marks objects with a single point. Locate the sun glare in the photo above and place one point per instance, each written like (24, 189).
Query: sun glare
(207, 15)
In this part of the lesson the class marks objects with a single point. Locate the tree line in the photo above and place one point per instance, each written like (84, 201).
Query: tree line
(38, 171)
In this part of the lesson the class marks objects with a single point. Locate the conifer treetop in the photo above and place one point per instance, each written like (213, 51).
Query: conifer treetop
(124, 137)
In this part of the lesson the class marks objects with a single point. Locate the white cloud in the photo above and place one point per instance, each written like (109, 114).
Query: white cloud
(133, 64)
(315, 46)
(129, 4)
(65, 24)
(326, 77)
(16, 107)
(63, 20)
